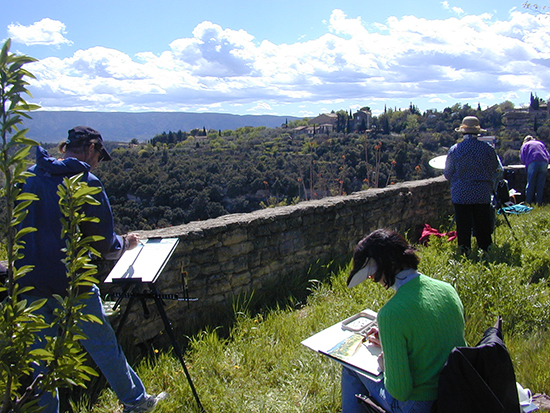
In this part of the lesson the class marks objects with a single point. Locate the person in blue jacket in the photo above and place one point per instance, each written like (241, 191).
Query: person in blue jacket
(83, 150)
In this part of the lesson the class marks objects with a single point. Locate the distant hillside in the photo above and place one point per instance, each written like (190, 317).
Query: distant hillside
(52, 126)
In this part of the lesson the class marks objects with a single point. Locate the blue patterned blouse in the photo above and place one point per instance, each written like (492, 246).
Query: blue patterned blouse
(472, 167)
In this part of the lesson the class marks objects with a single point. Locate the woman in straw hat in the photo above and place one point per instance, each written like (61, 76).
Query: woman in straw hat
(472, 166)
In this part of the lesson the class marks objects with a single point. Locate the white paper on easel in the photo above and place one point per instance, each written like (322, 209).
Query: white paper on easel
(144, 262)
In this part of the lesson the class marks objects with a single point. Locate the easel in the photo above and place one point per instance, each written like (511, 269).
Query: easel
(126, 273)
(498, 205)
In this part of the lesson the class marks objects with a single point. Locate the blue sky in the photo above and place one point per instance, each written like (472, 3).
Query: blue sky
(296, 58)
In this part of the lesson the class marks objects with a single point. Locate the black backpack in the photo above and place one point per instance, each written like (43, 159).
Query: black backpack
(479, 379)
(502, 193)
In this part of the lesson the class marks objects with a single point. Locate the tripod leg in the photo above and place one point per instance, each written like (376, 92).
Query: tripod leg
(508, 222)
(175, 345)
(124, 316)
(122, 295)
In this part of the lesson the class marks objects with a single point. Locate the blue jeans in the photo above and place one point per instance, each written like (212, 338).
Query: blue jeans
(103, 347)
(354, 383)
(536, 178)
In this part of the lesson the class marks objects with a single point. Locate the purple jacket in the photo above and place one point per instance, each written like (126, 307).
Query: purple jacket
(533, 151)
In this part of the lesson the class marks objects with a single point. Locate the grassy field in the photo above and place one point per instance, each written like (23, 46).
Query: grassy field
(262, 367)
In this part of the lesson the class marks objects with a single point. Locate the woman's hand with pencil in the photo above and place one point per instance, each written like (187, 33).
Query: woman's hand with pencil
(373, 337)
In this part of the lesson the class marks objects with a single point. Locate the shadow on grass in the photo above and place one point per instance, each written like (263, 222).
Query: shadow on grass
(286, 291)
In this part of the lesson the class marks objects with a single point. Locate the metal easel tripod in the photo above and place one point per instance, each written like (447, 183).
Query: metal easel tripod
(498, 205)
(132, 290)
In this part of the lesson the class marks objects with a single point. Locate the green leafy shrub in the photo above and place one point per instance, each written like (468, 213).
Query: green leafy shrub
(19, 323)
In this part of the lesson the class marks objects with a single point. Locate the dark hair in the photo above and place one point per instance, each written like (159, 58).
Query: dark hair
(80, 138)
(391, 252)
(80, 147)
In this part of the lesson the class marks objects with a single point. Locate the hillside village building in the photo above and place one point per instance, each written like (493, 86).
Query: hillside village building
(324, 123)
(328, 122)
(361, 121)
(518, 118)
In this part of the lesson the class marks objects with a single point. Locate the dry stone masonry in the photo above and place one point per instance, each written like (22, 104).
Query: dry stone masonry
(234, 255)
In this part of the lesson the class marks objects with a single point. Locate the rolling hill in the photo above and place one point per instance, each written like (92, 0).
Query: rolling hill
(52, 126)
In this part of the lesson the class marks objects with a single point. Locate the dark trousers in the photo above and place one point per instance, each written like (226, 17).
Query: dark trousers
(477, 218)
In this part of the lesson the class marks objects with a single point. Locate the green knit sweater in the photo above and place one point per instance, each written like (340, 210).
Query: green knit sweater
(419, 326)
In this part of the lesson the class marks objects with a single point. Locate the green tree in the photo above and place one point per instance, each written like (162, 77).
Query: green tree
(19, 322)
(534, 102)
(385, 123)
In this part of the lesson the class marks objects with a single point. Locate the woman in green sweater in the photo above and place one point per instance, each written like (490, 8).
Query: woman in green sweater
(417, 328)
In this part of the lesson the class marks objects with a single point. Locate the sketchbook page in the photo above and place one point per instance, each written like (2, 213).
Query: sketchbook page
(347, 348)
(144, 262)
(371, 370)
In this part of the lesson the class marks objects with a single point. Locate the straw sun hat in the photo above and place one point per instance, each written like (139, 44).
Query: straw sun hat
(470, 124)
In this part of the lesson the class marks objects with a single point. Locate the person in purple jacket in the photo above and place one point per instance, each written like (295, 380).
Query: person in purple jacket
(83, 150)
(535, 157)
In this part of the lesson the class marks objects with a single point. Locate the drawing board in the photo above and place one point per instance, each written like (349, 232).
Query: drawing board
(145, 262)
(341, 343)
(438, 162)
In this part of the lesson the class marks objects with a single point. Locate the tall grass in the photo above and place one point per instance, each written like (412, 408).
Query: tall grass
(262, 367)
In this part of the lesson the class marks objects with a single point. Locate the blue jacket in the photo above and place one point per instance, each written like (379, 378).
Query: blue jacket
(473, 168)
(43, 247)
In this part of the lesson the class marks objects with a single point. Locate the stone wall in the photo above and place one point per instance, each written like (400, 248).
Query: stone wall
(236, 254)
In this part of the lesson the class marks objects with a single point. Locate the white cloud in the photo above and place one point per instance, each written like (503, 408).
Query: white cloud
(340, 23)
(457, 10)
(471, 57)
(261, 107)
(44, 32)
(216, 52)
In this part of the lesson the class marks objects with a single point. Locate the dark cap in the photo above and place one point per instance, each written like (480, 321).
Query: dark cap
(84, 134)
